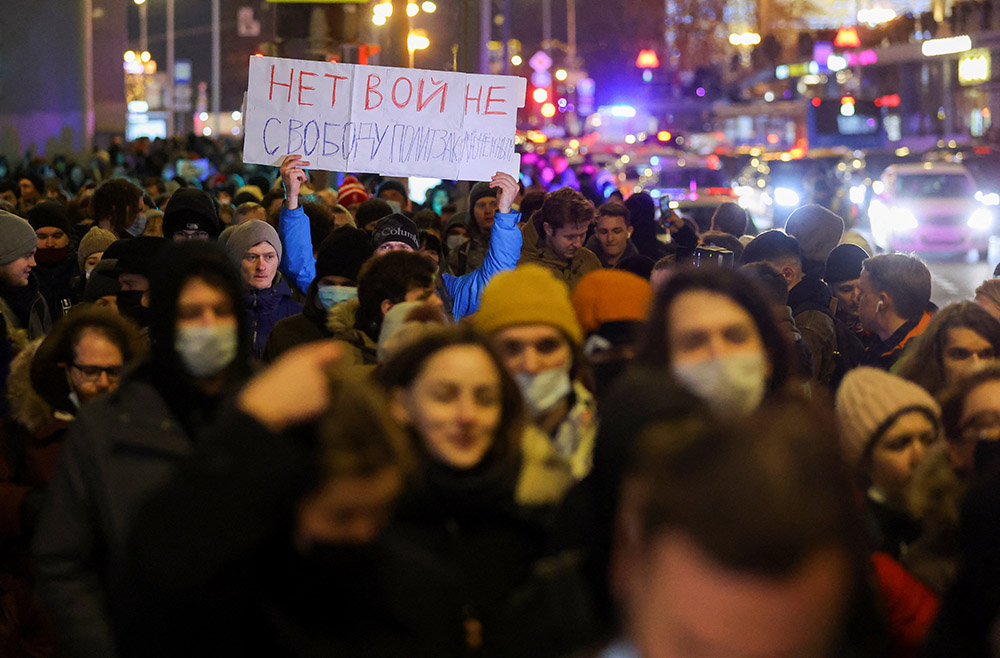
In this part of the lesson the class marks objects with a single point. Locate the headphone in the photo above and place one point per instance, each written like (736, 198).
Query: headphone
(878, 306)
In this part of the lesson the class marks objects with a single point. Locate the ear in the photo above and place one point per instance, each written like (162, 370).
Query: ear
(789, 273)
(548, 229)
(397, 407)
(628, 231)
(884, 300)
(386, 305)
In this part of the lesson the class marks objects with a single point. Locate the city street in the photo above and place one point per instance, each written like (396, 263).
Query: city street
(955, 280)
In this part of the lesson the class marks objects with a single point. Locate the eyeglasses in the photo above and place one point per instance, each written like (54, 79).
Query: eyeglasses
(93, 373)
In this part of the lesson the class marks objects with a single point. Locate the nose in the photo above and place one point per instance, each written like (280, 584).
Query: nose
(466, 409)
(917, 451)
(530, 361)
(31, 261)
(103, 382)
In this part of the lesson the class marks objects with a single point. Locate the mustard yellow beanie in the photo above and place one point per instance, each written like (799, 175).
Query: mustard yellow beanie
(529, 294)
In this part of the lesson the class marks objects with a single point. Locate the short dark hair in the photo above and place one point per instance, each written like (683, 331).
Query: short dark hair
(112, 201)
(654, 349)
(724, 240)
(428, 219)
(772, 246)
(389, 276)
(904, 278)
(370, 211)
(563, 207)
(531, 203)
(772, 284)
(761, 496)
(731, 218)
(615, 209)
(246, 207)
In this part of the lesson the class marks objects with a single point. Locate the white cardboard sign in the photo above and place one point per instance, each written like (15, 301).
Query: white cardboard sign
(379, 119)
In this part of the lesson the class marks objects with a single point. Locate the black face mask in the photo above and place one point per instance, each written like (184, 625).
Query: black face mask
(130, 305)
(987, 457)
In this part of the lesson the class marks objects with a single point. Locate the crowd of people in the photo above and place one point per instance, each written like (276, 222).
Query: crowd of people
(264, 413)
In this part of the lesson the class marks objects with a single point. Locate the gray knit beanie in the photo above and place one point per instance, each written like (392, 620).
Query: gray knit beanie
(17, 238)
(96, 240)
(246, 235)
(867, 399)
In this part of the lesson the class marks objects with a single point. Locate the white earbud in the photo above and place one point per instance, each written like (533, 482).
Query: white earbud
(878, 306)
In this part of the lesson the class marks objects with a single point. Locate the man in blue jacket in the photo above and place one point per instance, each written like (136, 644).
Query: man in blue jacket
(464, 291)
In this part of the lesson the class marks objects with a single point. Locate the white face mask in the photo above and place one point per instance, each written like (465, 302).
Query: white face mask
(729, 384)
(455, 241)
(543, 390)
(206, 351)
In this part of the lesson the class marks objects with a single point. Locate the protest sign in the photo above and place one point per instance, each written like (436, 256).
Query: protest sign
(379, 119)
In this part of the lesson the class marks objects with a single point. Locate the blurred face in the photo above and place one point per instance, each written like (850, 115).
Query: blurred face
(259, 266)
(533, 348)
(683, 604)
(92, 260)
(964, 352)
(202, 305)
(340, 219)
(28, 190)
(393, 245)
(96, 366)
(455, 405)
(108, 301)
(9, 196)
(868, 305)
(253, 213)
(133, 282)
(348, 510)
(50, 237)
(190, 234)
(707, 325)
(17, 271)
(433, 255)
(394, 195)
(898, 452)
(566, 241)
(426, 295)
(980, 421)
(613, 234)
(484, 211)
(847, 293)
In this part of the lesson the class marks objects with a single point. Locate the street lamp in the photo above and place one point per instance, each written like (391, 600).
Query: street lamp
(417, 40)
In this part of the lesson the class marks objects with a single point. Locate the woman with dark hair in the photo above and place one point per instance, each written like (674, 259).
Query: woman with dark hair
(465, 416)
(960, 338)
(716, 334)
(125, 445)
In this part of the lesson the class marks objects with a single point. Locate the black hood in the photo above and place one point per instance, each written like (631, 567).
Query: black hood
(175, 264)
(809, 294)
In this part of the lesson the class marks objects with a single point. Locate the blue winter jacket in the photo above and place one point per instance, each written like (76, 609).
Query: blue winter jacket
(465, 291)
(265, 308)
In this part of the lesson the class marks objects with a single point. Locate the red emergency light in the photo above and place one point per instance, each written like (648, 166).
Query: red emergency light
(647, 59)
(847, 37)
(892, 100)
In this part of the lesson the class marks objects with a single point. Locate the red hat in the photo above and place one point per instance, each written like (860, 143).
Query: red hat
(351, 192)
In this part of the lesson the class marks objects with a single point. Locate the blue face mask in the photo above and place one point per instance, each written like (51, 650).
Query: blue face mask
(138, 226)
(330, 296)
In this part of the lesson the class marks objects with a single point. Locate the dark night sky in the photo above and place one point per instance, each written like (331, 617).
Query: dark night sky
(609, 35)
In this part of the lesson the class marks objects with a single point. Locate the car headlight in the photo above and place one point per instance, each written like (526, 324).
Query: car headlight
(784, 196)
(903, 219)
(981, 219)
(857, 194)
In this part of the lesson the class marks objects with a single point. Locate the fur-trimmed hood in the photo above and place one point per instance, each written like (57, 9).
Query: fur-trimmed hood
(26, 406)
